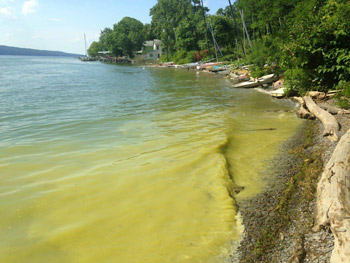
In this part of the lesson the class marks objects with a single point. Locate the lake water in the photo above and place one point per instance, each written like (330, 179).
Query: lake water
(106, 163)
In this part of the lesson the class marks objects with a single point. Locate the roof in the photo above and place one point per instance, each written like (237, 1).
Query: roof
(104, 52)
(148, 43)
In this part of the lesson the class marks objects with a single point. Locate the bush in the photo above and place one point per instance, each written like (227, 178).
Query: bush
(265, 51)
(183, 57)
(229, 57)
(257, 72)
(297, 81)
(343, 97)
(166, 58)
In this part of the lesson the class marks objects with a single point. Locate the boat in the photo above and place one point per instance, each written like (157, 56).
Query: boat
(224, 72)
(207, 65)
(279, 93)
(257, 82)
(220, 69)
(86, 58)
(191, 65)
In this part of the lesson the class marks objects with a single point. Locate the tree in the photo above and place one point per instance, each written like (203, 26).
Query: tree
(176, 24)
(127, 36)
(223, 28)
(103, 35)
(94, 48)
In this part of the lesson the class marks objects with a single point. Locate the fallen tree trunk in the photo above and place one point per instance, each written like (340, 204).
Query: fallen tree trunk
(331, 126)
(332, 110)
(333, 199)
(302, 111)
(317, 95)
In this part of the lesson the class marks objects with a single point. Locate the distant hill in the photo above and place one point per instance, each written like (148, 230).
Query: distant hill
(16, 51)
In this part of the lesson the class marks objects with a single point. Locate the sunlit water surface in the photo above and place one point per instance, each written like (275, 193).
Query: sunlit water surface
(103, 163)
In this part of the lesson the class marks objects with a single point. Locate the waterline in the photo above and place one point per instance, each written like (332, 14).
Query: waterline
(108, 163)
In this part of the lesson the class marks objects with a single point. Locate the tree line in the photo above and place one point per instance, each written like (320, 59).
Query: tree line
(307, 40)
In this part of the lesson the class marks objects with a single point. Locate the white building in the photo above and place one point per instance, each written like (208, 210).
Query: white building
(151, 49)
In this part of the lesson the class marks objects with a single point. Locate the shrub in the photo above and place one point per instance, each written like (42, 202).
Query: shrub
(229, 57)
(297, 81)
(183, 56)
(343, 97)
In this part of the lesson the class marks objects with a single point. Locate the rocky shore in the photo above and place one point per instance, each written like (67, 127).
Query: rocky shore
(278, 222)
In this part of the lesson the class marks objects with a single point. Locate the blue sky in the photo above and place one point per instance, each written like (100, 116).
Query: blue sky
(61, 24)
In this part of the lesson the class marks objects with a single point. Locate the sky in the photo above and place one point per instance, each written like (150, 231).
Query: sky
(61, 24)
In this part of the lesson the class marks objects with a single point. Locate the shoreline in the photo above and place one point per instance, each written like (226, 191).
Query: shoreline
(278, 222)
(271, 226)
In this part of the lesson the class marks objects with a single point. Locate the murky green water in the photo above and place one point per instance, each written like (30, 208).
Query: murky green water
(103, 163)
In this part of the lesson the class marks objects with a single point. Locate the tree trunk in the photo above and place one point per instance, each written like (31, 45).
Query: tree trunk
(317, 95)
(260, 35)
(332, 110)
(270, 27)
(333, 199)
(303, 112)
(331, 126)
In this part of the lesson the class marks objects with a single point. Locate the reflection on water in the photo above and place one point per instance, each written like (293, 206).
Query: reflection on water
(102, 163)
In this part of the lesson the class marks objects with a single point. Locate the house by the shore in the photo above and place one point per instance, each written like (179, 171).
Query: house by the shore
(151, 50)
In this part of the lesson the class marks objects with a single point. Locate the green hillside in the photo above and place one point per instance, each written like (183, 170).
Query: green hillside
(15, 51)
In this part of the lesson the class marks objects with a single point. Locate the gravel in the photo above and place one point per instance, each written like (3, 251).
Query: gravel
(290, 240)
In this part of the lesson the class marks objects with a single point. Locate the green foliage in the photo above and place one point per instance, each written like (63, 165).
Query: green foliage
(94, 48)
(181, 57)
(343, 97)
(186, 36)
(229, 57)
(308, 39)
(185, 57)
(343, 103)
(127, 36)
(257, 72)
(179, 24)
(265, 51)
(296, 81)
(223, 29)
(318, 40)
(103, 35)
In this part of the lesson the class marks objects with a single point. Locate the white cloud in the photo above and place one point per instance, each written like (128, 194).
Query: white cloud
(29, 6)
(8, 12)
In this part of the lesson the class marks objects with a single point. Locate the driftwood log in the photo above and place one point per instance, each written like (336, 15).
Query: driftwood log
(333, 199)
(317, 95)
(332, 109)
(302, 111)
(331, 126)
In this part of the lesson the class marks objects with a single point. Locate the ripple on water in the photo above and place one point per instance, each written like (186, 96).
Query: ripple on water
(108, 163)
